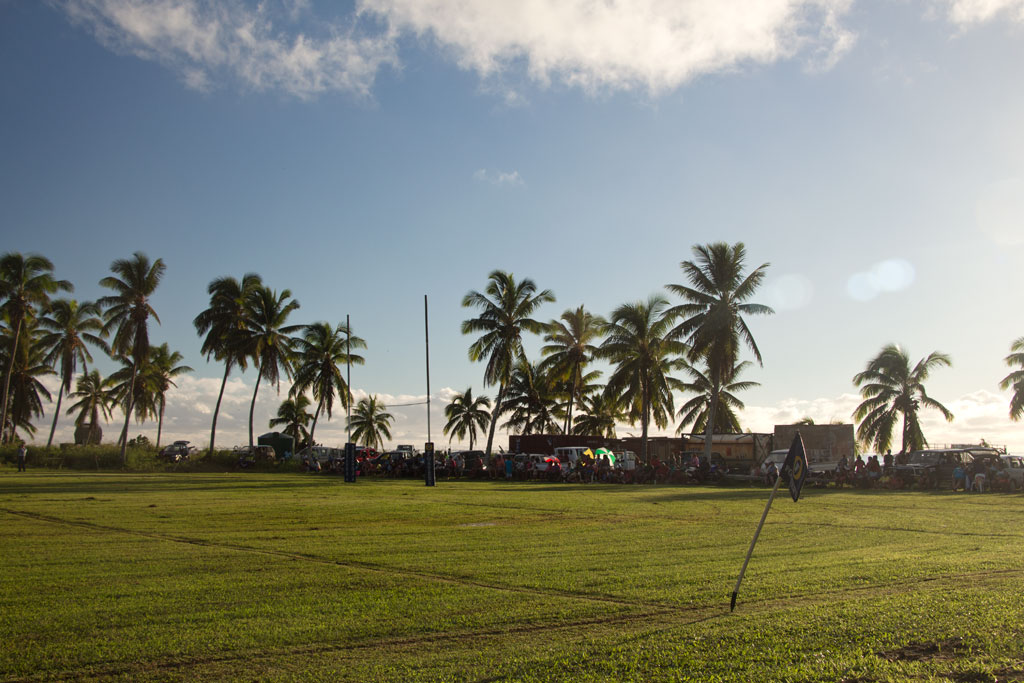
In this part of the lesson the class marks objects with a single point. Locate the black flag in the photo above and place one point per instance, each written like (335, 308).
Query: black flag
(795, 467)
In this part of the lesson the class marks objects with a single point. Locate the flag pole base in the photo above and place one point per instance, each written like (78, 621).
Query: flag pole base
(732, 604)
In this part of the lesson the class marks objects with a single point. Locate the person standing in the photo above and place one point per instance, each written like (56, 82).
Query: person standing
(22, 455)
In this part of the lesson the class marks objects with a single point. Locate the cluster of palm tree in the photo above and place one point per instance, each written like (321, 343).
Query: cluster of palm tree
(246, 324)
(43, 335)
(645, 342)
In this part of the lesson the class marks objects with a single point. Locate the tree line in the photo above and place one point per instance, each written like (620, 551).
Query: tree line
(649, 344)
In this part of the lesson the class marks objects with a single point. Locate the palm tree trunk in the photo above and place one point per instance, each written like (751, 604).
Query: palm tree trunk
(7, 383)
(128, 415)
(709, 430)
(572, 395)
(56, 414)
(312, 428)
(645, 410)
(252, 406)
(494, 417)
(160, 424)
(216, 410)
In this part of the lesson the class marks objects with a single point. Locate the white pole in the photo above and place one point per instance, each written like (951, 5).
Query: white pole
(735, 592)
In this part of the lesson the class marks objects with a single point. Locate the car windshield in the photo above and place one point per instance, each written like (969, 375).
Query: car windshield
(925, 458)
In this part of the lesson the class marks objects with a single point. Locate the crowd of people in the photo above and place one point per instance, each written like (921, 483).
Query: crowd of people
(679, 469)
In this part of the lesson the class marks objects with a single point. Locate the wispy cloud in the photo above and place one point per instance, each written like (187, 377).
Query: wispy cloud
(510, 178)
(978, 11)
(208, 42)
(655, 45)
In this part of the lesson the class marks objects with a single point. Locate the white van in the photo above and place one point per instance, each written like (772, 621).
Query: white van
(625, 460)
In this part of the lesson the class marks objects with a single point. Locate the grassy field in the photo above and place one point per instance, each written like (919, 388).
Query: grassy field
(299, 577)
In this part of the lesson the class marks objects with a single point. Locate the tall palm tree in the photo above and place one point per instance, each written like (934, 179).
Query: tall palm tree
(127, 312)
(465, 414)
(26, 283)
(319, 356)
(532, 401)
(95, 400)
(268, 340)
(638, 342)
(370, 423)
(569, 349)
(891, 389)
(598, 416)
(70, 326)
(505, 309)
(224, 324)
(26, 391)
(162, 368)
(697, 410)
(293, 415)
(716, 299)
(1015, 379)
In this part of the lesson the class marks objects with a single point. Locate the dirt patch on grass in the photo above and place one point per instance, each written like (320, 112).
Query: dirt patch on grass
(917, 652)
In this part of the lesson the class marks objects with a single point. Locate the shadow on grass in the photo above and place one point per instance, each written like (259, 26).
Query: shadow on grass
(92, 484)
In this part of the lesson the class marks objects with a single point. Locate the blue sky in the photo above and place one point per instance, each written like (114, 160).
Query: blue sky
(365, 155)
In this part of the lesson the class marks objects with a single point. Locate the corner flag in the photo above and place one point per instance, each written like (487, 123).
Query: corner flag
(795, 467)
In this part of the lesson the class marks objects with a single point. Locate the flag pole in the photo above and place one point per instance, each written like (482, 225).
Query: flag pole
(753, 541)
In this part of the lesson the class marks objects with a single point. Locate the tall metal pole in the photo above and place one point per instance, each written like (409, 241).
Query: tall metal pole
(348, 382)
(426, 335)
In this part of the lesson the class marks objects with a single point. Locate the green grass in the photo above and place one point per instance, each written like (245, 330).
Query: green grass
(295, 577)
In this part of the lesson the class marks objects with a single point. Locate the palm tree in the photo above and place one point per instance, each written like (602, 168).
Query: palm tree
(505, 310)
(26, 283)
(716, 300)
(1015, 379)
(697, 410)
(162, 368)
(638, 342)
(224, 324)
(143, 397)
(891, 389)
(532, 401)
(95, 400)
(268, 340)
(319, 355)
(600, 413)
(293, 415)
(465, 414)
(71, 327)
(26, 391)
(370, 423)
(570, 347)
(127, 312)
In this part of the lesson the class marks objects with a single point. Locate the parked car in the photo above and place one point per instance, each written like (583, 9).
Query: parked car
(1014, 466)
(933, 468)
(177, 451)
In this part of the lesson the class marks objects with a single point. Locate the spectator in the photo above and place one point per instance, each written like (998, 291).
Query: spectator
(22, 456)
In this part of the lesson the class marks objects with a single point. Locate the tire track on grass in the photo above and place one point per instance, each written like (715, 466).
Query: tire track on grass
(352, 564)
(660, 621)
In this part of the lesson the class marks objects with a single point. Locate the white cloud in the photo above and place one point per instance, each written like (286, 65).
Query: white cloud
(207, 41)
(511, 179)
(891, 275)
(656, 45)
(978, 11)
